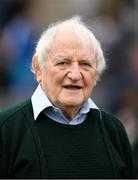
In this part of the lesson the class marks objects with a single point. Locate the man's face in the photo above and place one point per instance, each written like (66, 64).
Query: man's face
(69, 74)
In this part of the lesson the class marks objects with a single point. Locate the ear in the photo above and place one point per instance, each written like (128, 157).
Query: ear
(36, 68)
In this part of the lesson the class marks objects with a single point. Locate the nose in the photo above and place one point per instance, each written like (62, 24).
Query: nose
(74, 72)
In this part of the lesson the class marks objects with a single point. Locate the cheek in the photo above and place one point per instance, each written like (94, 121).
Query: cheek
(52, 80)
(45, 79)
(90, 80)
(89, 88)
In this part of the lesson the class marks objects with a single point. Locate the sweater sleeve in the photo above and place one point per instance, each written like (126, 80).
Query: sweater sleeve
(19, 152)
(117, 135)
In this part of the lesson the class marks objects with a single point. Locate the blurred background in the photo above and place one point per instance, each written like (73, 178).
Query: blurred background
(114, 23)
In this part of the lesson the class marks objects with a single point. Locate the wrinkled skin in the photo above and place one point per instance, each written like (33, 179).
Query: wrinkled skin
(69, 74)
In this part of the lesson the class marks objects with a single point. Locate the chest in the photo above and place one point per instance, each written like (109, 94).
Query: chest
(74, 151)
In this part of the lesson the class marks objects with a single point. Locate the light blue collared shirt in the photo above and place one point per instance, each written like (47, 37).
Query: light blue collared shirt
(41, 102)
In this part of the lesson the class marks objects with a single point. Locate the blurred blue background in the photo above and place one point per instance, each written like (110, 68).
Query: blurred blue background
(114, 23)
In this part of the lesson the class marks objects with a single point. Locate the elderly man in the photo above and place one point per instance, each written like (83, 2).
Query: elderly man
(59, 132)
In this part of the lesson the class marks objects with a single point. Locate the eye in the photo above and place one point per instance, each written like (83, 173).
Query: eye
(62, 63)
(85, 64)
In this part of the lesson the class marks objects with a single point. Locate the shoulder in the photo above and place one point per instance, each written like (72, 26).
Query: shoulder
(14, 111)
(111, 121)
(116, 133)
(114, 127)
(118, 137)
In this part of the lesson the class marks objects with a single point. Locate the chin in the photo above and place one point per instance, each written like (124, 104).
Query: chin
(73, 103)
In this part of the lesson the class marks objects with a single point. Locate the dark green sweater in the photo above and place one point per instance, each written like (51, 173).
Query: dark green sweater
(97, 148)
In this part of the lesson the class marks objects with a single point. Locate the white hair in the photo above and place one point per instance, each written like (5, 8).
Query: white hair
(80, 29)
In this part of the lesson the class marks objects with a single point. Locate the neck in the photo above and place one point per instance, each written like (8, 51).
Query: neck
(70, 112)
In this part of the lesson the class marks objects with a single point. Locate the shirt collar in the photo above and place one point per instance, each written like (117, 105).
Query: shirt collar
(40, 101)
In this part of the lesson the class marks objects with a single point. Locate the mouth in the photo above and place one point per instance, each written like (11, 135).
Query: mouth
(72, 87)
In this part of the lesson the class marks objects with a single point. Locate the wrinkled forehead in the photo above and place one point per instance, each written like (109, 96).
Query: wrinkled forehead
(71, 37)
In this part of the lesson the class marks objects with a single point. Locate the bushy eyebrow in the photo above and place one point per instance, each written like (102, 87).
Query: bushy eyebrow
(70, 57)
